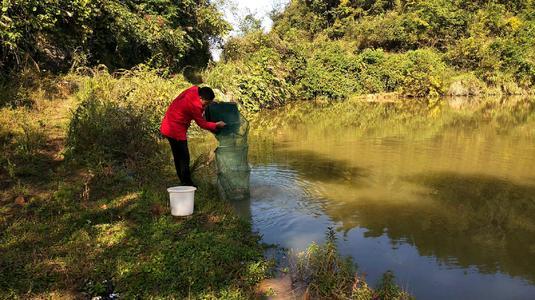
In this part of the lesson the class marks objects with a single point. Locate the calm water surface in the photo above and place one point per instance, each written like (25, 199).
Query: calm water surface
(444, 197)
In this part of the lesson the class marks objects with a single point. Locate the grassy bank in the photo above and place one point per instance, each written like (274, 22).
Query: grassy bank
(77, 227)
(335, 49)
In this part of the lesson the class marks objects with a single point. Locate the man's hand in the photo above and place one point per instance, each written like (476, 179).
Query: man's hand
(220, 124)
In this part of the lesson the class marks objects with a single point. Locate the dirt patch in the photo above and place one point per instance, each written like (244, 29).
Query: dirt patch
(279, 288)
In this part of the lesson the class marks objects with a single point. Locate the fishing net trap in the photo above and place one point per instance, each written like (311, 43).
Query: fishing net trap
(231, 153)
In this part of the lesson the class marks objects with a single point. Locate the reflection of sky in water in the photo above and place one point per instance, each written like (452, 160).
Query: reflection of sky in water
(285, 212)
(281, 207)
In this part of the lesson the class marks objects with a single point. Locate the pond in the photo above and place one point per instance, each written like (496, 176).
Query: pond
(442, 192)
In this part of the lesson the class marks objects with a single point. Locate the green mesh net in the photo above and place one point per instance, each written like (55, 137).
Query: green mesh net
(231, 153)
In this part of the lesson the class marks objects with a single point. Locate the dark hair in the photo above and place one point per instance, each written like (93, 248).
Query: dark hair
(206, 93)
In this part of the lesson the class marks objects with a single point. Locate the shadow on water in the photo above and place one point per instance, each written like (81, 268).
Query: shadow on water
(462, 220)
(317, 167)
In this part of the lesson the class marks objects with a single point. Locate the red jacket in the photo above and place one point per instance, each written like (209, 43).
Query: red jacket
(186, 107)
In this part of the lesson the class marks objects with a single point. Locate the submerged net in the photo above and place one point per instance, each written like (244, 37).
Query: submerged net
(231, 153)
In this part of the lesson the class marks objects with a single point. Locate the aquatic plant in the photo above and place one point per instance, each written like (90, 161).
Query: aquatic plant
(322, 273)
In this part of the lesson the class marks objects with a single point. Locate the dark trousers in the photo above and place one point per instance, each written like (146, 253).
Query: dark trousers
(181, 158)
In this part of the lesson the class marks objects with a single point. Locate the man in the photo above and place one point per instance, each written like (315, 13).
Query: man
(189, 105)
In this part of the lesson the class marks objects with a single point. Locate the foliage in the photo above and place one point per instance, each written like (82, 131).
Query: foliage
(117, 120)
(21, 140)
(334, 49)
(53, 34)
(322, 269)
(388, 289)
(259, 82)
(330, 72)
(423, 74)
(248, 24)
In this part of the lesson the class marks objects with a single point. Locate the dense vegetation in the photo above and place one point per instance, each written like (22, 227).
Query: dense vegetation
(317, 48)
(333, 49)
(55, 34)
(43, 38)
(83, 197)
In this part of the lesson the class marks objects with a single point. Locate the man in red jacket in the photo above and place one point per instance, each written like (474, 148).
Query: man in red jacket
(189, 105)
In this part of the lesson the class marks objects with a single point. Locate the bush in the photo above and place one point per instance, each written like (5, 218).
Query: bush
(323, 271)
(466, 85)
(331, 71)
(334, 49)
(117, 120)
(256, 83)
(121, 34)
(388, 289)
(105, 131)
(423, 74)
(379, 71)
(20, 135)
(271, 76)
(389, 31)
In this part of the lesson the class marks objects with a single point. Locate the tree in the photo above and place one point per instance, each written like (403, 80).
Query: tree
(117, 33)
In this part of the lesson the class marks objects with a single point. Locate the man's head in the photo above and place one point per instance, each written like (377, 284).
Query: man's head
(207, 95)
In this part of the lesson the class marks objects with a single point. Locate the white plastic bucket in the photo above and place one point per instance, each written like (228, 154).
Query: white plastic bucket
(181, 199)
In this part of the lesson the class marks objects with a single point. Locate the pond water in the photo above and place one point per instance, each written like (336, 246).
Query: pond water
(440, 192)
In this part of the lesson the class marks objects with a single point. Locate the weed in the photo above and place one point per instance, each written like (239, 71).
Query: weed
(324, 274)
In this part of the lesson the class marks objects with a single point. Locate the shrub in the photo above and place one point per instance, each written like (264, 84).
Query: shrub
(20, 136)
(121, 34)
(388, 289)
(256, 83)
(320, 49)
(239, 48)
(389, 31)
(466, 85)
(423, 74)
(23, 143)
(105, 131)
(117, 120)
(470, 53)
(323, 271)
(379, 71)
(331, 71)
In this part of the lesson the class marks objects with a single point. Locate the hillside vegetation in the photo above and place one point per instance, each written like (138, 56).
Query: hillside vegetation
(331, 49)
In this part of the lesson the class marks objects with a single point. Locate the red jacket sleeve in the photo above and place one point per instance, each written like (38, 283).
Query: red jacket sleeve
(197, 112)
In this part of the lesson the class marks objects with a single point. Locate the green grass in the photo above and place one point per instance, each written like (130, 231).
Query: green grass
(70, 241)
